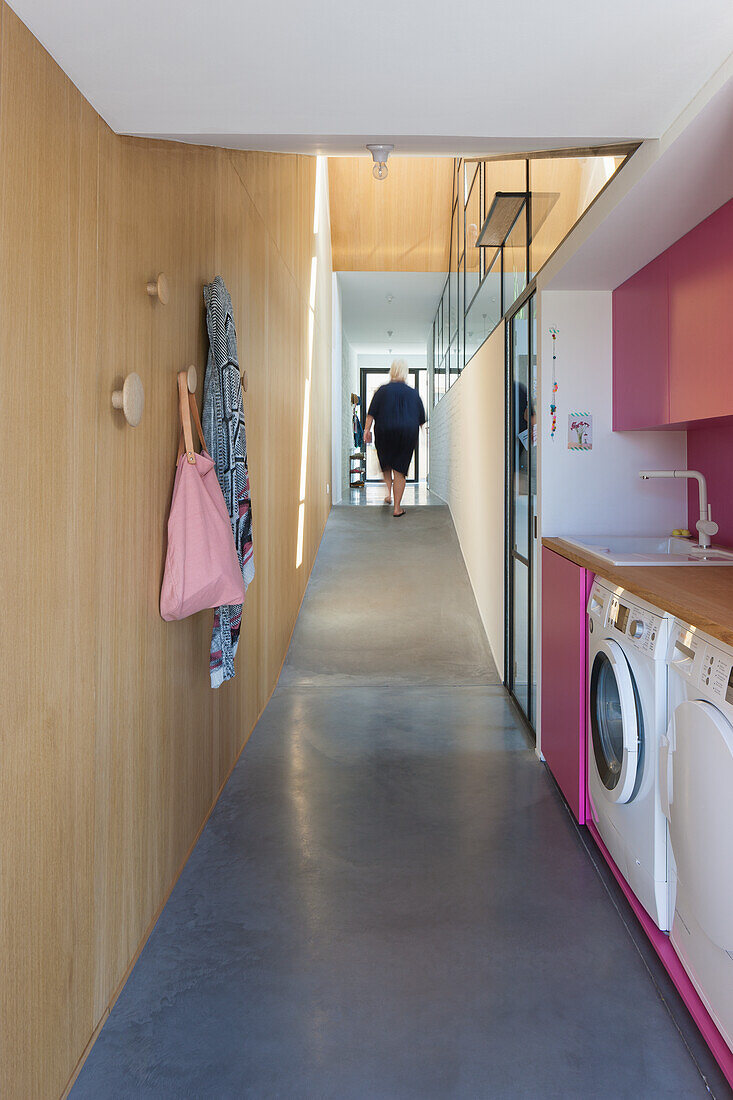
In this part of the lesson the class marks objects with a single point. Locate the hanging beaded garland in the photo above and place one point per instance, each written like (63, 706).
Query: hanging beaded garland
(553, 399)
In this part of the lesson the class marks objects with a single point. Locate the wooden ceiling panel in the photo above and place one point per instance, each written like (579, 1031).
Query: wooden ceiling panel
(398, 224)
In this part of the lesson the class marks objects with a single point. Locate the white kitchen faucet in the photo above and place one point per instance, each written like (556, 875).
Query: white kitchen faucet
(705, 526)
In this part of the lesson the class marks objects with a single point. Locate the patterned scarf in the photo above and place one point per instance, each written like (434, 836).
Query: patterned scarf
(223, 423)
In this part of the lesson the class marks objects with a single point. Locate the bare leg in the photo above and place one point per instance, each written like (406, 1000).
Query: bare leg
(387, 475)
(399, 488)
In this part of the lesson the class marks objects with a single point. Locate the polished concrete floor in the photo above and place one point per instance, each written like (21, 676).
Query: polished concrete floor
(372, 493)
(390, 899)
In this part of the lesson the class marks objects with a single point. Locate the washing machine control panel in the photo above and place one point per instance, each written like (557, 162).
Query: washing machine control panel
(703, 663)
(619, 613)
(641, 627)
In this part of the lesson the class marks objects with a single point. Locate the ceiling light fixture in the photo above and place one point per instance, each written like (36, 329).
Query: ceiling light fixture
(379, 156)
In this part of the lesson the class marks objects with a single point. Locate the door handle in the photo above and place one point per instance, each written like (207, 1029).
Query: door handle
(664, 775)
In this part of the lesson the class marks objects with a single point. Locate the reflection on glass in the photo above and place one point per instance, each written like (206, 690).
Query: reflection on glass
(452, 373)
(521, 413)
(532, 497)
(453, 305)
(484, 313)
(473, 226)
(515, 261)
(484, 283)
(503, 175)
(562, 189)
(520, 679)
(461, 313)
(439, 381)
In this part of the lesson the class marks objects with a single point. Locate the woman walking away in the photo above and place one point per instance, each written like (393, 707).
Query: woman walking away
(398, 414)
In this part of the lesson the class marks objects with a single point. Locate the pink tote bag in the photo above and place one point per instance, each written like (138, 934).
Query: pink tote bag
(201, 565)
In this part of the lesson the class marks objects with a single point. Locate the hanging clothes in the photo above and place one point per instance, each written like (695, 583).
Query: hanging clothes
(357, 429)
(226, 441)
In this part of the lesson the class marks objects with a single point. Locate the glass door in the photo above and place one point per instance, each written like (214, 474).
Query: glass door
(616, 723)
(371, 379)
(521, 496)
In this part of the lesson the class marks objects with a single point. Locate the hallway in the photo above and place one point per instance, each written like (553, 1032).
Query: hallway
(390, 899)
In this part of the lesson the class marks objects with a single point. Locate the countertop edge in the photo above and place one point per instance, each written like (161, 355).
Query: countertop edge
(702, 597)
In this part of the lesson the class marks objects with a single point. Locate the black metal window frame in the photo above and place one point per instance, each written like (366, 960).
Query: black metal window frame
(528, 301)
(487, 264)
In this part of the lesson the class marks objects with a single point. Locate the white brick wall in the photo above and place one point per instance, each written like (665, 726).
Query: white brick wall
(467, 471)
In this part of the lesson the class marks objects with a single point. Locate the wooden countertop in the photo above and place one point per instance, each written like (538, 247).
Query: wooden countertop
(701, 595)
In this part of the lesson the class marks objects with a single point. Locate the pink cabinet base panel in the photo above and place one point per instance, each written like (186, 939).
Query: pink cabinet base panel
(663, 947)
(565, 588)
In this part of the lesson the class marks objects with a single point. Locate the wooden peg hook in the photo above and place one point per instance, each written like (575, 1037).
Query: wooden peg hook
(130, 399)
(192, 378)
(159, 288)
(244, 381)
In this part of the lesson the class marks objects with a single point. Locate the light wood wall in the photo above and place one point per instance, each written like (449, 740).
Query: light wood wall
(113, 744)
(398, 224)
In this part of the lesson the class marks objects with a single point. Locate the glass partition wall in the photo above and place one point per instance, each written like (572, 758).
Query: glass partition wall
(508, 216)
(521, 508)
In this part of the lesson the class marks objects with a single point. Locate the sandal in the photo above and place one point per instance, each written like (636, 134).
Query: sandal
(398, 515)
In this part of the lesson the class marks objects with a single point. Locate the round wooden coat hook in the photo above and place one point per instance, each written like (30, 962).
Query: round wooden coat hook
(158, 288)
(131, 399)
(192, 378)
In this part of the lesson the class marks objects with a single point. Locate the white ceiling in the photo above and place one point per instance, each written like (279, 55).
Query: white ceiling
(273, 75)
(667, 188)
(367, 315)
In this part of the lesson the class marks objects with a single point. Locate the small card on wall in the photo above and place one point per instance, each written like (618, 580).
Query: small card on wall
(580, 431)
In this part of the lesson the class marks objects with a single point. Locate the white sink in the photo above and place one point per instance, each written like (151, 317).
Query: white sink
(647, 550)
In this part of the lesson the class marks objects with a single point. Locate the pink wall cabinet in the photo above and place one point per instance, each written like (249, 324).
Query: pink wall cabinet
(564, 593)
(701, 320)
(673, 332)
(641, 350)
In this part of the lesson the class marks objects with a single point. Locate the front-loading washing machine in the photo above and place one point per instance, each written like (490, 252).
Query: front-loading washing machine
(627, 718)
(696, 764)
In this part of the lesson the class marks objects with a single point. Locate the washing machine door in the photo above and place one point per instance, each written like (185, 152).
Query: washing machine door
(696, 763)
(615, 722)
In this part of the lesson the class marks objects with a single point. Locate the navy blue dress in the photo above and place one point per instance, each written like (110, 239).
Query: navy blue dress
(398, 414)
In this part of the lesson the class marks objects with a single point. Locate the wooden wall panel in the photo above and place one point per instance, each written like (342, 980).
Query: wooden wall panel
(398, 224)
(47, 404)
(154, 216)
(113, 743)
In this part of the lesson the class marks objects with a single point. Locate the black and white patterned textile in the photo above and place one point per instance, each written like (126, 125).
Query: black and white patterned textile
(223, 423)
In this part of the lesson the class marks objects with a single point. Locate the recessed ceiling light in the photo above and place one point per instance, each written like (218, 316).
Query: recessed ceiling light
(390, 298)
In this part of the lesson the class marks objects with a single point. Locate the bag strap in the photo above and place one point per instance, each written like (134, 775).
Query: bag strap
(187, 407)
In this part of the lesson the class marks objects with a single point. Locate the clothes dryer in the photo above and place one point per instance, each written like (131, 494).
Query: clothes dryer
(696, 764)
(627, 718)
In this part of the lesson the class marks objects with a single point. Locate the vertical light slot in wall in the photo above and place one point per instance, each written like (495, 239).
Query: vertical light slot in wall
(311, 347)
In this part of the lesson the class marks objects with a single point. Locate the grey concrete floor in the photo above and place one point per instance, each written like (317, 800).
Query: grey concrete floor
(390, 899)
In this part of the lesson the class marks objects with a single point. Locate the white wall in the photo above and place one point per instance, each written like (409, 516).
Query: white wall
(336, 393)
(597, 492)
(385, 359)
(467, 471)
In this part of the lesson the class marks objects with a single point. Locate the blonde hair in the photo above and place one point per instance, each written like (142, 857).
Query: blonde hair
(398, 370)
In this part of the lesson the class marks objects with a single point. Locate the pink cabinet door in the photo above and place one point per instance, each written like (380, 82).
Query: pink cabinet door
(701, 320)
(641, 349)
(564, 589)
